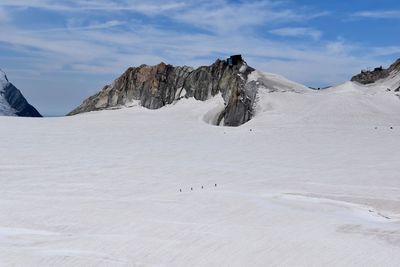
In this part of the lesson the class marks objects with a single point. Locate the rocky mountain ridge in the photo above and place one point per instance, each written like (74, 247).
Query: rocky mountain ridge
(239, 85)
(163, 84)
(372, 76)
(12, 102)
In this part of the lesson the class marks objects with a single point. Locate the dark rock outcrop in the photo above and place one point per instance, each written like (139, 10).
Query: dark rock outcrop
(162, 84)
(368, 77)
(16, 102)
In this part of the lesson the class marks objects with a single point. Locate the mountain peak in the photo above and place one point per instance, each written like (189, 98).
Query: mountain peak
(371, 76)
(3, 80)
(156, 86)
(12, 102)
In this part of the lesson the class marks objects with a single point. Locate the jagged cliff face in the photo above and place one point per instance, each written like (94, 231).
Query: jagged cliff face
(160, 85)
(12, 102)
(368, 77)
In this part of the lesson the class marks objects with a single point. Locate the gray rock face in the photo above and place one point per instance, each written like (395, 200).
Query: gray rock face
(157, 86)
(18, 102)
(368, 77)
(13, 102)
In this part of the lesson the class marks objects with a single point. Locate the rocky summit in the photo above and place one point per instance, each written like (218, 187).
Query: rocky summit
(371, 76)
(12, 102)
(156, 86)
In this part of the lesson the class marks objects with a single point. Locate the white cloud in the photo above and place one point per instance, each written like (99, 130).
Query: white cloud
(221, 16)
(211, 15)
(95, 25)
(376, 14)
(42, 4)
(298, 32)
(149, 7)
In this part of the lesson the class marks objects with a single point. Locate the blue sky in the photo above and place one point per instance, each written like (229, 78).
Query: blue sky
(60, 52)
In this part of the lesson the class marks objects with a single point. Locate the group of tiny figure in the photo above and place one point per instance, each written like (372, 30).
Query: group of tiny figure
(202, 187)
(391, 128)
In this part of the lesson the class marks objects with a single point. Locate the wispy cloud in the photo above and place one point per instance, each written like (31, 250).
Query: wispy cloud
(222, 16)
(386, 51)
(112, 51)
(72, 26)
(298, 32)
(217, 14)
(109, 46)
(378, 14)
(40, 4)
(148, 7)
(116, 40)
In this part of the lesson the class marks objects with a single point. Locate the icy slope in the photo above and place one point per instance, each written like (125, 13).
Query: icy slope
(270, 82)
(308, 182)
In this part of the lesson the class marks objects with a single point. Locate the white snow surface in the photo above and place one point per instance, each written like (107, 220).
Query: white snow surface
(310, 181)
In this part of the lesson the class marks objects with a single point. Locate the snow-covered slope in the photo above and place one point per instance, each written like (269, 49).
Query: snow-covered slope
(391, 83)
(270, 82)
(309, 181)
(12, 102)
(347, 103)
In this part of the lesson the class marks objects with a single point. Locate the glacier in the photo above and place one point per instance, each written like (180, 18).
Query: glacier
(311, 180)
